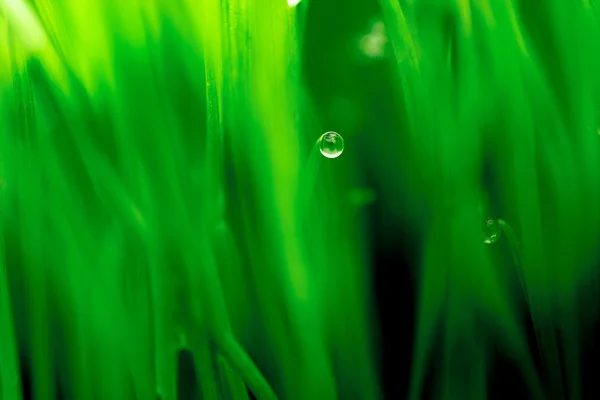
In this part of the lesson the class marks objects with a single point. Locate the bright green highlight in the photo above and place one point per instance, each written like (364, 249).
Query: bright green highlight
(331, 144)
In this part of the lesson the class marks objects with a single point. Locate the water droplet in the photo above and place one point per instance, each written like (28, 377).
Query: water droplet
(331, 144)
(293, 3)
(492, 231)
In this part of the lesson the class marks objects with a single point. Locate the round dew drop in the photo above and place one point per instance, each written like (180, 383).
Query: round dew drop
(331, 144)
(492, 231)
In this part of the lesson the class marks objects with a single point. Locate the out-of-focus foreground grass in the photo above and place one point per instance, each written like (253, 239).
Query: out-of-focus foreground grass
(163, 198)
(156, 164)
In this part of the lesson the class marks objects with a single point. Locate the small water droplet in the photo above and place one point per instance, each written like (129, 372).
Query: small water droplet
(492, 231)
(331, 144)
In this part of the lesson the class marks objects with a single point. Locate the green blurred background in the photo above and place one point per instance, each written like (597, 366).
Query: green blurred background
(170, 229)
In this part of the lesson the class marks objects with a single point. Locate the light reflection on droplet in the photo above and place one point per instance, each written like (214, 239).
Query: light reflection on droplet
(492, 231)
(331, 144)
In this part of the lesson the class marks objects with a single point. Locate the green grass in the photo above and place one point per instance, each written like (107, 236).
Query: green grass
(153, 169)
(502, 105)
(163, 191)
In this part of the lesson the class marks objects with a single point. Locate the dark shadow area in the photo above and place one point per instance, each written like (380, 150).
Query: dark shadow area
(395, 297)
(590, 356)
(505, 380)
(252, 397)
(187, 380)
(26, 384)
